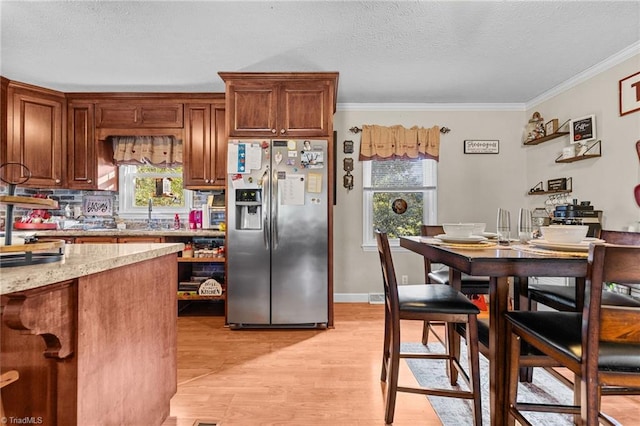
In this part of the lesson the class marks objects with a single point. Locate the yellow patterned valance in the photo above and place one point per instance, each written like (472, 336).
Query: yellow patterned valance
(156, 150)
(396, 142)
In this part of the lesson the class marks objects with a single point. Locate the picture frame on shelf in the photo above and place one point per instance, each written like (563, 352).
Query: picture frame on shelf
(582, 129)
(551, 127)
(481, 146)
(629, 94)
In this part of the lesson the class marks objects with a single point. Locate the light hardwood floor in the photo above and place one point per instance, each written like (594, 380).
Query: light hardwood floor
(302, 377)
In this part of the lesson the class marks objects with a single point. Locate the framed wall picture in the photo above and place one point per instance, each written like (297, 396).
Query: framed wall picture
(551, 127)
(481, 147)
(629, 89)
(582, 129)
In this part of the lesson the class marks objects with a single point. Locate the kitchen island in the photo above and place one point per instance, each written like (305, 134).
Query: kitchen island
(93, 336)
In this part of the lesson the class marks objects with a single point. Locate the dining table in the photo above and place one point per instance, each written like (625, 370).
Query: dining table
(499, 263)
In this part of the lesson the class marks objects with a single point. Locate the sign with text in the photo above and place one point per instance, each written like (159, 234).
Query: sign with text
(630, 94)
(481, 147)
(97, 205)
(582, 129)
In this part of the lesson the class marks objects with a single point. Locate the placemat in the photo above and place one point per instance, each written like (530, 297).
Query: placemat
(546, 252)
(476, 246)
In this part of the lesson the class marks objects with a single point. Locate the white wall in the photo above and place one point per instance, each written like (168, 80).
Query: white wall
(607, 181)
(472, 187)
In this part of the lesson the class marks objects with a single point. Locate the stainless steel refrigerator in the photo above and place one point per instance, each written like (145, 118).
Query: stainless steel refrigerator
(277, 233)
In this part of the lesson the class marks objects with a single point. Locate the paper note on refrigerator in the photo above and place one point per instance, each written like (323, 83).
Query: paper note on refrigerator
(292, 190)
(254, 157)
(314, 182)
(243, 157)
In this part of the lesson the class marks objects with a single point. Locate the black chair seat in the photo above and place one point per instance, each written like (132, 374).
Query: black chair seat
(565, 296)
(562, 331)
(470, 284)
(434, 298)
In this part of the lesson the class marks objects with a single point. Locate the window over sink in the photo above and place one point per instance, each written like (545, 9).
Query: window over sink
(163, 185)
(398, 197)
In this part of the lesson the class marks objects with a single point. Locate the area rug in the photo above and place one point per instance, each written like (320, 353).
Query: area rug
(458, 412)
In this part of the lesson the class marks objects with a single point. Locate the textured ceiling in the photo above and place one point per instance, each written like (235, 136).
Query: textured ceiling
(385, 52)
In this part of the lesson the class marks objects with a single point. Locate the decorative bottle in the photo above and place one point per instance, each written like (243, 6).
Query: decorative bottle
(176, 222)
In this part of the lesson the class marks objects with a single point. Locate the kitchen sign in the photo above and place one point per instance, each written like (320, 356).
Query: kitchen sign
(582, 129)
(481, 147)
(97, 205)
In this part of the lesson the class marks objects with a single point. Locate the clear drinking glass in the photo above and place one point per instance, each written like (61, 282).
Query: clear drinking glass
(503, 227)
(525, 225)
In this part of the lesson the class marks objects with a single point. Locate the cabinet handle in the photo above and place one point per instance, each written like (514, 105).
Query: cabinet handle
(89, 181)
(206, 181)
(282, 131)
(57, 180)
(273, 131)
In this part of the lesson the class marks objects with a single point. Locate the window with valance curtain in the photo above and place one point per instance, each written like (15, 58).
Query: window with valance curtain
(398, 142)
(163, 151)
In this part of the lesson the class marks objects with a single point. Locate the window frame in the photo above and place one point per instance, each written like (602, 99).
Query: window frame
(430, 201)
(126, 208)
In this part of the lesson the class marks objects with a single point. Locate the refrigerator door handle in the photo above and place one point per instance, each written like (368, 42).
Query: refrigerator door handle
(266, 230)
(274, 203)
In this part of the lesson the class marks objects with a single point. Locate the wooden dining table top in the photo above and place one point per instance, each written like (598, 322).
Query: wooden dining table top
(498, 263)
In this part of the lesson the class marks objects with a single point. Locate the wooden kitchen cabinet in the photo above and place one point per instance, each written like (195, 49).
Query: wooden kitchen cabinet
(131, 114)
(280, 104)
(35, 134)
(205, 146)
(89, 161)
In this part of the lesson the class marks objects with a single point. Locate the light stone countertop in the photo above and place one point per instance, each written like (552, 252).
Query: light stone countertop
(81, 260)
(128, 233)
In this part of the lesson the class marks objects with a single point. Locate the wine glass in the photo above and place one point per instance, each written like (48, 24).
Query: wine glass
(503, 227)
(525, 225)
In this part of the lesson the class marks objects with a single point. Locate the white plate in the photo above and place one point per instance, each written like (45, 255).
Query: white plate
(490, 234)
(581, 246)
(466, 240)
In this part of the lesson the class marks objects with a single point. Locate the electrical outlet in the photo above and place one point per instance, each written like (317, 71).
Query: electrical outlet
(405, 279)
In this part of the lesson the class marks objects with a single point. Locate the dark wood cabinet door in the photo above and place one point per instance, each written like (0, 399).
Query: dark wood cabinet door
(81, 146)
(280, 105)
(218, 146)
(129, 114)
(305, 109)
(196, 155)
(204, 150)
(36, 138)
(252, 109)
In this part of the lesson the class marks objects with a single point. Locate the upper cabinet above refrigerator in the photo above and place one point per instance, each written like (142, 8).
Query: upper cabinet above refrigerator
(280, 104)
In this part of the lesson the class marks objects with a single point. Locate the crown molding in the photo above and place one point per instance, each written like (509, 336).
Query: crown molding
(430, 107)
(585, 75)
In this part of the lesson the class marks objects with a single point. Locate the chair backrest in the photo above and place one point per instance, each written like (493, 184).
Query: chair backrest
(388, 275)
(429, 231)
(621, 237)
(609, 263)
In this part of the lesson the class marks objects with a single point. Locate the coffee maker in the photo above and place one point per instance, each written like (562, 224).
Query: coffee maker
(579, 213)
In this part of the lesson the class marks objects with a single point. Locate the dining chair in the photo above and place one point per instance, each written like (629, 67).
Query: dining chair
(6, 378)
(470, 285)
(422, 302)
(563, 298)
(600, 344)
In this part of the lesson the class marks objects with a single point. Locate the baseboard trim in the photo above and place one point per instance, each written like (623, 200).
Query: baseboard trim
(351, 297)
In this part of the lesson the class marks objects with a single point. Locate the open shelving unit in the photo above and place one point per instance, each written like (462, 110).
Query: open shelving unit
(546, 138)
(597, 153)
(32, 253)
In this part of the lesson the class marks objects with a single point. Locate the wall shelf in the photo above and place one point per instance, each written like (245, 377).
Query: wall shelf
(546, 138)
(201, 260)
(538, 189)
(584, 156)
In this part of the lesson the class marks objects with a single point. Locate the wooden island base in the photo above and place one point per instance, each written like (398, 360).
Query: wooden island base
(96, 350)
